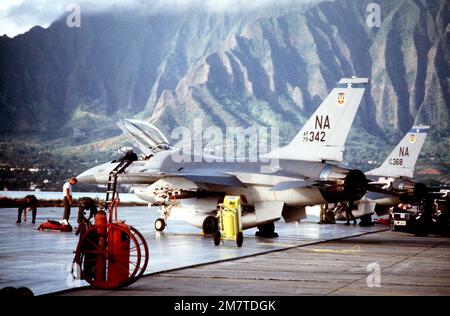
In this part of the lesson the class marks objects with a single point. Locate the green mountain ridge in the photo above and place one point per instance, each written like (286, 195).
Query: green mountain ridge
(62, 88)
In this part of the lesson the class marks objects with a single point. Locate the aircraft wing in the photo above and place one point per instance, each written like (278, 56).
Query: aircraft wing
(218, 179)
(281, 181)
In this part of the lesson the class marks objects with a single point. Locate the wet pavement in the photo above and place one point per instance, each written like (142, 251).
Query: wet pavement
(380, 263)
(42, 261)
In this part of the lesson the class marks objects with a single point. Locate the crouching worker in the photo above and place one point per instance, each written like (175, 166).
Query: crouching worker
(30, 201)
(84, 204)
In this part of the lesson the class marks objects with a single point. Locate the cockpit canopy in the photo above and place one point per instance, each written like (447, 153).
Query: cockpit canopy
(147, 137)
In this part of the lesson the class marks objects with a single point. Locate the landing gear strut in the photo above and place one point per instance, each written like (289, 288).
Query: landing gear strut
(160, 224)
(266, 230)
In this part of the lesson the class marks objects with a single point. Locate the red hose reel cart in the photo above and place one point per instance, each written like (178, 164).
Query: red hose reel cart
(111, 254)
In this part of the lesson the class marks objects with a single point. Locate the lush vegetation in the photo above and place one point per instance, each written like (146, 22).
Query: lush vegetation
(48, 164)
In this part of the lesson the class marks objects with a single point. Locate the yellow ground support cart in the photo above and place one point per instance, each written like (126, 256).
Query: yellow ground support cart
(230, 225)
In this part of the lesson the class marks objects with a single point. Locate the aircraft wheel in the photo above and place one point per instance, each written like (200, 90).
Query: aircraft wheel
(24, 291)
(217, 238)
(160, 224)
(267, 230)
(421, 226)
(239, 239)
(210, 225)
(421, 230)
(421, 233)
(366, 220)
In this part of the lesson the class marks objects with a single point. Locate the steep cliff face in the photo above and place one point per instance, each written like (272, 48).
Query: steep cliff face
(278, 69)
(272, 66)
(113, 65)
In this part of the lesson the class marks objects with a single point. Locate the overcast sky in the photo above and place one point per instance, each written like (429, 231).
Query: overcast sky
(18, 16)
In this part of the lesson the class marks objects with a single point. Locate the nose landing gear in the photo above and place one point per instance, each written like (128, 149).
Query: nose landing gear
(160, 224)
(165, 212)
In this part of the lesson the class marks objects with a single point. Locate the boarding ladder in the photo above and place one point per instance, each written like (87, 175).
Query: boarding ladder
(112, 196)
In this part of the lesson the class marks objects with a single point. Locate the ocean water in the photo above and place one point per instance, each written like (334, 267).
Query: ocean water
(55, 195)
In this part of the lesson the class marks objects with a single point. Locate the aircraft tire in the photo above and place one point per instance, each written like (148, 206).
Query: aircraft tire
(421, 231)
(366, 220)
(210, 225)
(160, 224)
(217, 238)
(266, 230)
(239, 239)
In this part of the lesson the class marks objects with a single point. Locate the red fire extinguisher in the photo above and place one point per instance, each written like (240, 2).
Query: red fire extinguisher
(119, 251)
(100, 264)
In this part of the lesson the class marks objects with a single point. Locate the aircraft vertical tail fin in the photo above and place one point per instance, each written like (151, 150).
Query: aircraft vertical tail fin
(324, 134)
(402, 160)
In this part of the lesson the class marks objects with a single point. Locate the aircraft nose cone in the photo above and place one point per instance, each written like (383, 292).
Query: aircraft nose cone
(86, 178)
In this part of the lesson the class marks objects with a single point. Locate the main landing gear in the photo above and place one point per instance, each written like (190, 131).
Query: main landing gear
(266, 231)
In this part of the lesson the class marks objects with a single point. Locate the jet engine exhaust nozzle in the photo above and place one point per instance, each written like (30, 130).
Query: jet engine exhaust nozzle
(349, 186)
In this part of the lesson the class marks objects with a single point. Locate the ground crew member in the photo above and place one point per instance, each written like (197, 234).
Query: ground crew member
(326, 215)
(28, 201)
(67, 200)
(129, 156)
(339, 208)
(329, 217)
(349, 214)
(86, 203)
(323, 209)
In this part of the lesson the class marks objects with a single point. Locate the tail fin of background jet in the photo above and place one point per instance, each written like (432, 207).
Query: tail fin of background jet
(324, 134)
(401, 162)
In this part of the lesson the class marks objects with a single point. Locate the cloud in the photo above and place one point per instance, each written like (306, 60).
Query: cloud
(18, 16)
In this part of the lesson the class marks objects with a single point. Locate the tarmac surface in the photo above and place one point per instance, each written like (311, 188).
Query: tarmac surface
(407, 265)
(42, 261)
(381, 263)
